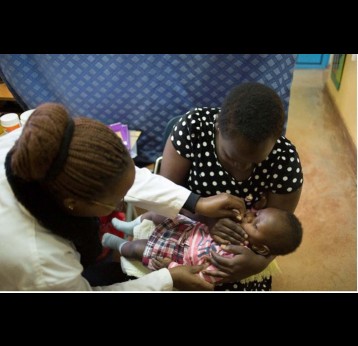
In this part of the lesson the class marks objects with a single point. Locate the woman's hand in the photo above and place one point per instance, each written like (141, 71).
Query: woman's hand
(227, 231)
(221, 205)
(185, 278)
(241, 266)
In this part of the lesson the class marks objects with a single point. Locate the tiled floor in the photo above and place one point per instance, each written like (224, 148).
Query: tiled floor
(327, 257)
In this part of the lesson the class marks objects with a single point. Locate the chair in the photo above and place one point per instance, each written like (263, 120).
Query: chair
(167, 131)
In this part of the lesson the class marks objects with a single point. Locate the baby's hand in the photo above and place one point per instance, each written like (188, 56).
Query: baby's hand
(261, 203)
(159, 263)
(227, 231)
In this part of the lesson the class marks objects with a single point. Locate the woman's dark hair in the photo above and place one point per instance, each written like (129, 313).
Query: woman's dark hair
(252, 110)
(96, 158)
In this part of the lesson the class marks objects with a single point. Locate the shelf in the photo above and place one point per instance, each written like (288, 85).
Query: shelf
(5, 94)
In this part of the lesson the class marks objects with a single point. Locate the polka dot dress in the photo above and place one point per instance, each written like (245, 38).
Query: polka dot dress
(193, 137)
(264, 285)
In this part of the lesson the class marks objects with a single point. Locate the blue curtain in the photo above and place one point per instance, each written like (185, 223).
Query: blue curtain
(142, 90)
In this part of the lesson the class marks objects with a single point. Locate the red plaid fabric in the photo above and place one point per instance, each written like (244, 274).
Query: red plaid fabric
(185, 242)
(168, 240)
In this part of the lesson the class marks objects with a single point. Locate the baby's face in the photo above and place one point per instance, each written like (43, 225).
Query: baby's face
(261, 226)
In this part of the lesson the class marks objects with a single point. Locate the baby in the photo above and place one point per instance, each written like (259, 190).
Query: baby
(182, 241)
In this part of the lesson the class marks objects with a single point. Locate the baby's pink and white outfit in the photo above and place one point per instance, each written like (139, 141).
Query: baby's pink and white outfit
(185, 242)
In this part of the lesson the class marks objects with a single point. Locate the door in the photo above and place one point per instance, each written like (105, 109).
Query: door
(319, 61)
